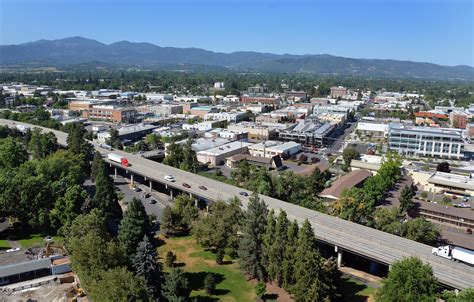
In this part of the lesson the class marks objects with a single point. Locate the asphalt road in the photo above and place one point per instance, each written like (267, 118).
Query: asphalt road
(373, 244)
(155, 209)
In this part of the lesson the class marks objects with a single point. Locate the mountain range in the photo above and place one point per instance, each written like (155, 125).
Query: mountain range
(77, 50)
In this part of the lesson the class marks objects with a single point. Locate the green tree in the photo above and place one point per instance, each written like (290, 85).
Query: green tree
(175, 155)
(170, 223)
(153, 141)
(348, 155)
(409, 280)
(189, 162)
(76, 142)
(146, 265)
(134, 225)
(268, 239)
(12, 153)
(68, 207)
(277, 249)
(170, 259)
(315, 183)
(251, 247)
(260, 289)
(421, 230)
(176, 286)
(42, 145)
(219, 228)
(443, 167)
(241, 174)
(105, 197)
(406, 199)
(466, 295)
(95, 164)
(209, 283)
(114, 140)
(289, 260)
(118, 284)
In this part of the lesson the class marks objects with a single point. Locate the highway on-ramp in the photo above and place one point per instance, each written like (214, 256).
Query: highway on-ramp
(373, 244)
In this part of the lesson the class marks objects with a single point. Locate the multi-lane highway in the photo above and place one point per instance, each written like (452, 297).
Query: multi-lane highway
(358, 239)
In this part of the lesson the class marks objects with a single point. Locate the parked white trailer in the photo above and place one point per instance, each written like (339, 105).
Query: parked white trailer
(454, 253)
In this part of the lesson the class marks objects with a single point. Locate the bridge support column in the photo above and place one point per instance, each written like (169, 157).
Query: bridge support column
(131, 179)
(151, 185)
(115, 172)
(171, 194)
(339, 256)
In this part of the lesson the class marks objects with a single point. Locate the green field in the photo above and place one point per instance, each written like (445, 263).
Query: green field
(197, 262)
(355, 291)
(4, 245)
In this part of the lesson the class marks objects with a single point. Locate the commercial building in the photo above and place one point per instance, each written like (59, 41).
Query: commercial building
(315, 134)
(110, 113)
(450, 183)
(257, 89)
(231, 117)
(272, 148)
(425, 141)
(469, 133)
(129, 133)
(273, 162)
(201, 111)
(86, 104)
(372, 130)
(227, 134)
(260, 100)
(338, 119)
(216, 156)
(458, 120)
(296, 96)
(318, 109)
(161, 110)
(338, 91)
(203, 126)
(257, 131)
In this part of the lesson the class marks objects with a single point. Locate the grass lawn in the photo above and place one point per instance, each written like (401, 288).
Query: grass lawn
(197, 262)
(353, 290)
(4, 245)
(33, 239)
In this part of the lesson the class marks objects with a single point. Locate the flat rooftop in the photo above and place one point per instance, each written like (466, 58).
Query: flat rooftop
(225, 148)
(453, 180)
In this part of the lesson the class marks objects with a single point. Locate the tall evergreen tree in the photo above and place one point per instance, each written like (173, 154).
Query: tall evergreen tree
(307, 267)
(95, 164)
(176, 286)
(268, 240)
(105, 198)
(251, 247)
(145, 264)
(278, 249)
(288, 264)
(134, 225)
(406, 199)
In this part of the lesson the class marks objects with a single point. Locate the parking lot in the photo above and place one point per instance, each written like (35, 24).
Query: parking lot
(154, 203)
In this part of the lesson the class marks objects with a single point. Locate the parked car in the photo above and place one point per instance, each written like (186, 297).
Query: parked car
(137, 189)
(454, 197)
(203, 188)
(186, 185)
(146, 195)
(152, 201)
(244, 193)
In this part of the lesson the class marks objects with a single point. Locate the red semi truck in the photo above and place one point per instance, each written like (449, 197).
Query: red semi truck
(118, 159)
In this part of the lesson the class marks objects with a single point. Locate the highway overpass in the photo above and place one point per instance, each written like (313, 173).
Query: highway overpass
(344, 235)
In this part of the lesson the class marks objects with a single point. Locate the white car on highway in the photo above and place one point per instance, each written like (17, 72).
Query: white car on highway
(169, 177)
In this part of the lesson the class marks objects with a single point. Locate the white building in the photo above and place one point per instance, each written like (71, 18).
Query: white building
(158, 97)
(272, 148)
(374, 129)
(231, 117)
(216, 156)
(204, 126)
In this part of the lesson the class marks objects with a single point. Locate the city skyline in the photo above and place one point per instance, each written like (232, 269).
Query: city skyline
(399, 30)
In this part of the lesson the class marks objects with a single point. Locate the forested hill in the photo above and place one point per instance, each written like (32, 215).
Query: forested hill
(78, 50)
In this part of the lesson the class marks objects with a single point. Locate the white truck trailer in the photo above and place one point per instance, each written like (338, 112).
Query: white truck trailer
(118, 159)
(454, 253)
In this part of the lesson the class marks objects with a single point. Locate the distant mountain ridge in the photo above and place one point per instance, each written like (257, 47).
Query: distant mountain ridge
(78, 50)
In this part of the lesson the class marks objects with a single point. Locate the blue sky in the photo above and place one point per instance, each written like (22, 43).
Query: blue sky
(438, 31)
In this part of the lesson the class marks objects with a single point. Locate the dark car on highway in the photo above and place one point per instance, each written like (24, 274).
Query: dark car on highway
(203, 188)
(244, 193)
(186, 185)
